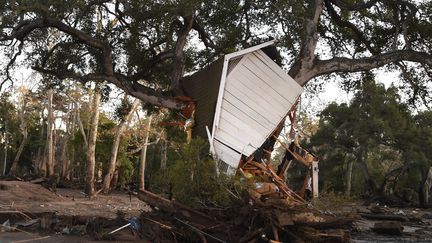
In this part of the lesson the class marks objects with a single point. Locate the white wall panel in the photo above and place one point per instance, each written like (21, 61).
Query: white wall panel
(226, 154)
(257, 95)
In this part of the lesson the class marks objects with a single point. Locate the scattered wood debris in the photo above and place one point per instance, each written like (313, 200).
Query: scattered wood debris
(247, 223)
(389, 227)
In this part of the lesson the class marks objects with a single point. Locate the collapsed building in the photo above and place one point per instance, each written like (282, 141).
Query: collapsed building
(240, 103)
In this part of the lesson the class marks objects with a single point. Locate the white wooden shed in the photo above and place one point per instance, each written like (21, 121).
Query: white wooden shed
(254, 95)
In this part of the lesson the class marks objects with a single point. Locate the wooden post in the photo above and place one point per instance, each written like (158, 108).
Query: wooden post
(315, 171)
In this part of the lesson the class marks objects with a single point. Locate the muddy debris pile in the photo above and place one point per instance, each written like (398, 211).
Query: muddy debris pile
(171, 221)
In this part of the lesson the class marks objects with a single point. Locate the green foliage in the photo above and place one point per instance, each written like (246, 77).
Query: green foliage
(330, 200)
(380, 135)
(192, 178)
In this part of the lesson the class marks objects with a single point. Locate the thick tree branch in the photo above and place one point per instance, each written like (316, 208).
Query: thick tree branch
(135, 89)
(87, 39)
(307, 53)
(341, 64)
(208, 42)
(10, 63)
(178, 62)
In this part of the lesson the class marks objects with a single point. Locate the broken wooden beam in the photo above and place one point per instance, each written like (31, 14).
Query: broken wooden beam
(389, 228)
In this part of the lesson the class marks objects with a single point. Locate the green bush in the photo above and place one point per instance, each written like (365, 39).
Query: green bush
(192, 178)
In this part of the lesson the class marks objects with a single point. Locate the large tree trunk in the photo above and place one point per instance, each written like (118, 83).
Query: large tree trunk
(50, 147)
(114, 150)
(5, 150)
(365, 170)
(14, 167)
(143, 156)
(425, 186)
(163, 157)
(39, 161)
(91, 149)
(349, 177)
(65, 160)
(70, 124)
(81, 126)
(23, 128)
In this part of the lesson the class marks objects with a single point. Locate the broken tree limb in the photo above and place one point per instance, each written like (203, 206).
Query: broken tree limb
(200, 220)
(248, 237)
(390, 228)
(200, 232)
(384, 217)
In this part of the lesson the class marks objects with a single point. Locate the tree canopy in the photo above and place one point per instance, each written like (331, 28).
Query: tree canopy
(144, 47)
(377, 132)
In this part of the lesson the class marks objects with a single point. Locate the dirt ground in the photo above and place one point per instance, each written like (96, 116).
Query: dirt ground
(22, 201)
(34, 198)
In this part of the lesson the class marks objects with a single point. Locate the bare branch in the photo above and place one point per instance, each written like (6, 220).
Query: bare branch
(10, 64)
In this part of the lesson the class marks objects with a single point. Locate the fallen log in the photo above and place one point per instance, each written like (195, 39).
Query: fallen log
(252, 223)
(384, 217)
(389, 228)
(200, 220)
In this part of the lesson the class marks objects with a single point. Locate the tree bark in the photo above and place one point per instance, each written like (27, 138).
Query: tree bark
(24, 131)
(114, 150)
(164, 150)
(425, 186)
(5, 150)
(143, 156)
(365, 170)
(91, 149)
(179, 59)
(50, 154)
(70, 125)
(349, 177)
(14, 167)
(81, 127)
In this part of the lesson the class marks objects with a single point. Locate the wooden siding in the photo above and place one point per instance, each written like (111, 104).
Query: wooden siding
(226, 154)
(203, 88)
(257, 96)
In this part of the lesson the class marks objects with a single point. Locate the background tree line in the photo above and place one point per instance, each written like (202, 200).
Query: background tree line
(375, 145)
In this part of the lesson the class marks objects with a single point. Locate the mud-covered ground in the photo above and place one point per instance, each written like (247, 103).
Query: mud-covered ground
(22, 202)
(68, 216)
(34, 198)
